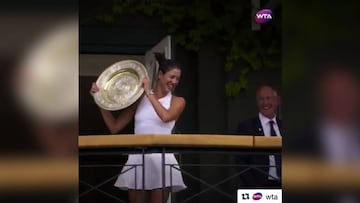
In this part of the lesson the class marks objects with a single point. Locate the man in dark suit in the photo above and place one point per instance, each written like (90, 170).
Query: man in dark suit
(266, 170)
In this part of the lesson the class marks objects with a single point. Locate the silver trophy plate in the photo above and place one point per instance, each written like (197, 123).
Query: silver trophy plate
(120, 85)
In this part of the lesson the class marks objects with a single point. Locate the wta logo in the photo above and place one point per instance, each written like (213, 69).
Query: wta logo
(263, 16)
(257, 196)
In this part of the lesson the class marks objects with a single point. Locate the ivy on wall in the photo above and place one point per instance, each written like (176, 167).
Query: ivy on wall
(227, 24)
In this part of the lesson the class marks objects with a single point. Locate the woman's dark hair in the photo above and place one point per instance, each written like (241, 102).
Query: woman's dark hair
(165, 65)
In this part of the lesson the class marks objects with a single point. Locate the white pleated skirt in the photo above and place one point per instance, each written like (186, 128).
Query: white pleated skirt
(131, 175)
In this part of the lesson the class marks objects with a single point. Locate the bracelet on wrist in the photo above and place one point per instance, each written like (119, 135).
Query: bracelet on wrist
(149, 92)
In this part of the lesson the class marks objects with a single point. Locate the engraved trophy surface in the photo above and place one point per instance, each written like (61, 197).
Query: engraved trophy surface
(120, 85)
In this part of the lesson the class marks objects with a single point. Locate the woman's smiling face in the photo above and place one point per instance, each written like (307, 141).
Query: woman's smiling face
(169, 80)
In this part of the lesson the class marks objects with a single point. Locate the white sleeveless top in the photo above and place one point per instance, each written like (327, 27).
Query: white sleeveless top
(148, 122)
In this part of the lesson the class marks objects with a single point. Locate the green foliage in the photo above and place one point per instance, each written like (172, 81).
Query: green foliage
(225, 23)
(232, 88)
(105, 18)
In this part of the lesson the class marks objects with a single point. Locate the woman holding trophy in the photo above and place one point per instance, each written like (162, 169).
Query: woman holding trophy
(155, 112)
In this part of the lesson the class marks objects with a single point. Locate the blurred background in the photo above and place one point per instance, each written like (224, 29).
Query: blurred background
(321, 102)
(39, 124)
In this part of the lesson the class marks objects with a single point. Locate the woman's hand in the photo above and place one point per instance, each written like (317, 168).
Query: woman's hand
(146, 84)
(94, 88)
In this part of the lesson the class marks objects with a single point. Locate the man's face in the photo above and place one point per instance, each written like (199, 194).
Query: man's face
(267, 101)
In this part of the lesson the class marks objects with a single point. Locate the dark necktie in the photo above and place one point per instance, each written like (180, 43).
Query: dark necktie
(272, 130)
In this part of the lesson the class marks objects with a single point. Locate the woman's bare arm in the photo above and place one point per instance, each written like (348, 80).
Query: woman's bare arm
(117, 124)
(177, 106)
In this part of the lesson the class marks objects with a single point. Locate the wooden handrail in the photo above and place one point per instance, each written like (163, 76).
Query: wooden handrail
(310, 174)
(179, 140)
(31, 174)
(299, 174)
(304, 173)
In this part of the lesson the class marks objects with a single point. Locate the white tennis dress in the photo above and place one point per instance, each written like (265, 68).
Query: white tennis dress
(148, 122)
